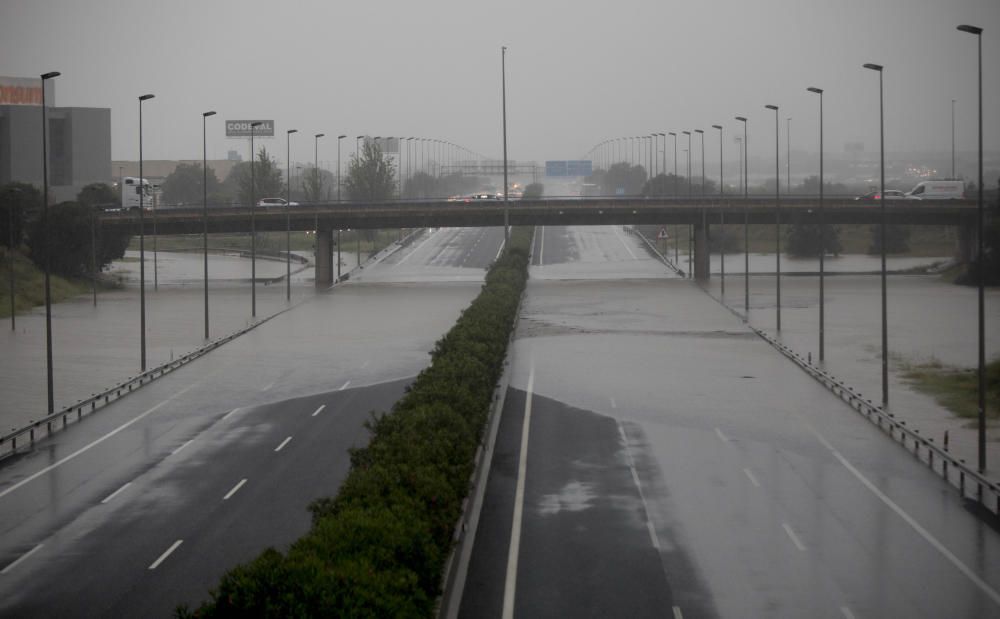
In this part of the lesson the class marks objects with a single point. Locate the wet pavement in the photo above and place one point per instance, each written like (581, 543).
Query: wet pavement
(644, 419)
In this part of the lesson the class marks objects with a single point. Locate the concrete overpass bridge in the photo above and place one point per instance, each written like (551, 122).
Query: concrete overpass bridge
(701, 213)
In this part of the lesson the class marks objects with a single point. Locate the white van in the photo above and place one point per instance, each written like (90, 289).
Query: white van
(938, 190)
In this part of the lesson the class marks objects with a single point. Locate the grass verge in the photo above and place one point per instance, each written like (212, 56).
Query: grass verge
(29, 285)
(378, 548)
(957, 389)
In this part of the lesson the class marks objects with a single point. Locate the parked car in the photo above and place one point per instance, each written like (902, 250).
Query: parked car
(890, 194)
(267, 202)
(938, 190)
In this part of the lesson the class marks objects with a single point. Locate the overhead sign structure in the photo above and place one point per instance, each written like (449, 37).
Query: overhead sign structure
(241, 128)
(569, 168)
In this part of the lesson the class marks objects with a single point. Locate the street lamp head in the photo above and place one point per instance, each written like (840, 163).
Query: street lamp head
(873, 67)
(142, 98)
(818, 91)
(662, 134)
(291, 131)
(51, 74)
(319, 135)
(207, 114)
(698, 131)
(772, 107)
(964, 28)
(719, 127)
(359, 137)
(256, 124)
(686, 132)
(741, 119)
(673, 134)
(341, 137)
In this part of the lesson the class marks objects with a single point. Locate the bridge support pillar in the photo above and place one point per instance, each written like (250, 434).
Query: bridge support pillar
(701, 261)
(324, 257)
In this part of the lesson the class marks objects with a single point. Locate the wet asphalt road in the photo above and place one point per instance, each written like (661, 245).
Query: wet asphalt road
(674, 465)
(144, 505)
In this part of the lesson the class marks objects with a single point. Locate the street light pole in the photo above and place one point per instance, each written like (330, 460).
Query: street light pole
(777, 213)
(503, 82)
(288, 213)
(688, 133)
(980, 231)
(746, 221)
(882, 200)
(952, 139)
(45, 225)
(788, 156)
(699, 131)
(253, 226)
(673, 182)
(822, 233)
(142, 249)
(722, 223)
(339, 183)
(204, 207)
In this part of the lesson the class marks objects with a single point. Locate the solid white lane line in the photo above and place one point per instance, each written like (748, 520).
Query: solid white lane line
(723, 437)
(268, 387)
(510, 584)
(235, 489)
(677, 613)
(344, 386)
(924, 533)
(847, 613)
(229, 414)
(613, 403)
(791, 534)
(753, 480)
(163, 557)
(624, 244)
(638, 486)
(541, 246)
(94, 443)
(500, 251)
(282, 445)
(17, 561)
(319, 410)
(116, 493)
(181, 447)
(422, 243)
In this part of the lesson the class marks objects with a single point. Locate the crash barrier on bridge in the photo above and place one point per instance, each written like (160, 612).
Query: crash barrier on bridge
(971, 485)
(23, 439)
(457, 567)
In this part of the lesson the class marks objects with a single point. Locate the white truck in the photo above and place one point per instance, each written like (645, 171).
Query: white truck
(132, 189)
(937, 190)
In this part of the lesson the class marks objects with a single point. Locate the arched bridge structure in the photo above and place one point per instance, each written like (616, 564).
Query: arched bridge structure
(701, 213)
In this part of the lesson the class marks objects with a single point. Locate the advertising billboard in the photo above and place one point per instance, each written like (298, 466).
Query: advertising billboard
(26, 91)
(241, 129)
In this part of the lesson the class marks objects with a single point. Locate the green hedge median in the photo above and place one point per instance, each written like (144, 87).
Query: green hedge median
(379, 547)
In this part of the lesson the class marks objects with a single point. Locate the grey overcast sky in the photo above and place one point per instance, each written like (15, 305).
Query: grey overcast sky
(577, 72)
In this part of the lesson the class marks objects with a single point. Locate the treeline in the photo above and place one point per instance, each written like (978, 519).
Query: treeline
(77, 244)
(378, 549)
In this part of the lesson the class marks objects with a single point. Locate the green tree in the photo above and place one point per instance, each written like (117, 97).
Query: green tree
(266, 175)
(99, 195)
(803, 240)
(370, 177)
(18, 201)
(533, 191)
(184, 185)
(69, 237)
(666, 185)
(421, 185)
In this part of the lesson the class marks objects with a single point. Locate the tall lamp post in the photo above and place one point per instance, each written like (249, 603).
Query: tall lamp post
(722, 222)
(746, 221)
(788, 156)
(688, 133)
(253, 226)
(777, 214)
(881, 142)
(288, 213)
(702, 133)
(822, 233)
(953, 138)
(503, 87)
(45, 225)
(339, 183)
(674, 194)
(142, 249)
(204, 208)
(979, 256)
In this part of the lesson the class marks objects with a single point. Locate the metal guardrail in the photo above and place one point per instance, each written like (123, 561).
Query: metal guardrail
(971, 484)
